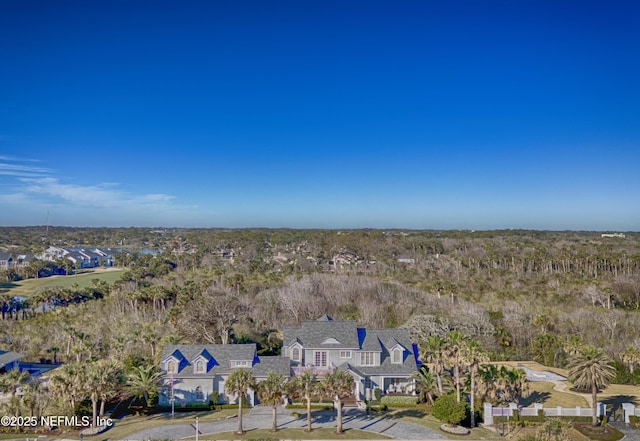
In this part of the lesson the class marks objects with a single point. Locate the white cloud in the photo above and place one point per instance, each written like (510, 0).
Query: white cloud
(103, 195)
(9, 169)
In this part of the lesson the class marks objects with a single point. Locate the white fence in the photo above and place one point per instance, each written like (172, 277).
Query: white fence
(490, 412)
(630, 410)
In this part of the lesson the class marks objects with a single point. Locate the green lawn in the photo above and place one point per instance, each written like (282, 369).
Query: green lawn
(26, 288)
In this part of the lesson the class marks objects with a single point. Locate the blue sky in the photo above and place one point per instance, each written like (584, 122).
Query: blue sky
(321, 114)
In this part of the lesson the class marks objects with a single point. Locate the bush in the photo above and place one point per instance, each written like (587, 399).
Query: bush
(375, 406)
(314, 406)
(399, 401)
(377, 393)
(245, 405)
(447, 409)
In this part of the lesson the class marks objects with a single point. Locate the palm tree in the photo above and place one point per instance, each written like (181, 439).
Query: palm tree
(338, 385)
(102, 382)
(69, 383)
(305, 385)
(237, 383)
(270, 391)
(12, 380)
(473, 356)
(433, 353)
(631, 357)
(142, 382)
(591, 369)
(453, 351)
(426, 384)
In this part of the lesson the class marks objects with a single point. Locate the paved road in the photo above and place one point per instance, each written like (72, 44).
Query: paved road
(630, 432)
(260, 418)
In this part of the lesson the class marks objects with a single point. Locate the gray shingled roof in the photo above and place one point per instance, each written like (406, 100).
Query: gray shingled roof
(313, 334)
(9, 357)
(389, 338)
(222, 356)
(277, 364)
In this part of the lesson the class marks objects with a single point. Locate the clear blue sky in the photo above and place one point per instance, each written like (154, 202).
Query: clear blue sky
(341, 114)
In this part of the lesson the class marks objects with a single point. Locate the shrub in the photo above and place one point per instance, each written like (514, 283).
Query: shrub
(314, 406)
(245, 405)
(399, 401)
(377, 393)
(447, 409)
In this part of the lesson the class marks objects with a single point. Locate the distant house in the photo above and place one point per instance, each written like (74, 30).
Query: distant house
(9, 361)
(6, 260)
(381, 359)
(191, 373)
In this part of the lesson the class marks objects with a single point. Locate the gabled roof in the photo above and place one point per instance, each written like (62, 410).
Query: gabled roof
(385, 340)
(266, 364)
(5, 256)
(314, 334)
(223, 355)
(9, 357)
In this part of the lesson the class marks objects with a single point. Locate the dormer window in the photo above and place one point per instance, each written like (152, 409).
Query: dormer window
(240, 363)
(295, 354)
(396, 356)
(199, 367)
(172, 367)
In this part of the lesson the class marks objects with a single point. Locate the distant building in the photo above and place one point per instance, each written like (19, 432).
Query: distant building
(9, 361)
(622, 235)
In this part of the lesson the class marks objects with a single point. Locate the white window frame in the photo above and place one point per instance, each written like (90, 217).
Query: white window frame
(320, 356)
(170, 369)
(241, 363)
(345, 354)
(396, 353)
(199, 367)
(367, 358)
(293, 354)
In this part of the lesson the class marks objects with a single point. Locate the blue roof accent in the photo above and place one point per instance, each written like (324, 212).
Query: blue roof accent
(362, 333)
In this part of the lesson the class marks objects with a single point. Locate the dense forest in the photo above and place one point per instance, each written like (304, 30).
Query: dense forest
(522, 294)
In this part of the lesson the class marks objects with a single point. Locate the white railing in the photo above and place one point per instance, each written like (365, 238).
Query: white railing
(491, 412)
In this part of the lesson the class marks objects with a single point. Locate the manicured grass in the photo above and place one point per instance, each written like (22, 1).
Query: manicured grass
(523, 432)
(26, 288)
(15, 435)
(599, 433)
(266, 434)
(543, 392)
(132, 424)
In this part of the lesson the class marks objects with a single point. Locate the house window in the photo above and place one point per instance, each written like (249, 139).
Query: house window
(295, 354)
(172, 367)
(241, 364)
(321, 358)
(199, 367)
(345, 354)
(197, 394)
(396, 356)
(367, 359)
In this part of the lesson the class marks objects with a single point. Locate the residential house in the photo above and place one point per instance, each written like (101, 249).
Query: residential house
(6, 260)
(192, 373)
(9, 360)
(381, 359)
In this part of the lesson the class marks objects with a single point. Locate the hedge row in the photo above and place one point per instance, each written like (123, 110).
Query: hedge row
(399, 401)
(314, 406)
